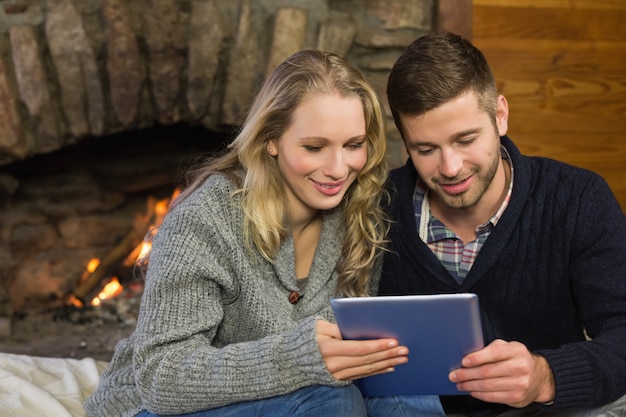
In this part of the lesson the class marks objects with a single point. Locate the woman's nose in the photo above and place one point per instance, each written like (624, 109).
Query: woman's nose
(335, 165)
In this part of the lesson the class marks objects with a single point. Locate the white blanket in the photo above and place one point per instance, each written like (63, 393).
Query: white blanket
(33, 386)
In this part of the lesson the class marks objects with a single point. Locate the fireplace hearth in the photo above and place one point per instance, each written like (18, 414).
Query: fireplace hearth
(76, 205)
(79, 203)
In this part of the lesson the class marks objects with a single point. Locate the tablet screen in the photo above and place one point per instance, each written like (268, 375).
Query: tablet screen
(438, 330)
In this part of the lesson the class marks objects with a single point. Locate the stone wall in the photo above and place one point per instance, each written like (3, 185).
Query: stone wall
(72, 71)
(75, 69)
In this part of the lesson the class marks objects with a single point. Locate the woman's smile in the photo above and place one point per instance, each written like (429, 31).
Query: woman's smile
(328, 188)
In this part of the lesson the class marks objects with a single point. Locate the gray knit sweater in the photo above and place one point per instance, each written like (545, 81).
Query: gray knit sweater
(216, 326)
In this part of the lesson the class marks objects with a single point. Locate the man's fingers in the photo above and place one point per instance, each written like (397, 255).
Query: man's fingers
(505, 372)
(496, 351)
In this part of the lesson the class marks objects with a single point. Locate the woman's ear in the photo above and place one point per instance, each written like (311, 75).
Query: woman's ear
(271, 148)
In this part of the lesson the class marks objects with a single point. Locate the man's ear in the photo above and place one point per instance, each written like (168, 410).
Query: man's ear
(502, 116)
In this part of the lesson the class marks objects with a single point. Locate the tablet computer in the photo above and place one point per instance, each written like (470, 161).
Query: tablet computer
(438, 330)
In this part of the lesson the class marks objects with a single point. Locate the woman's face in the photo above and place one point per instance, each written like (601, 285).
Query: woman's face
(321, 153)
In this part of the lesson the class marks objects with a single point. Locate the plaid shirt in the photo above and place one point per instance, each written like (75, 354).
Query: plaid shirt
(456, 257)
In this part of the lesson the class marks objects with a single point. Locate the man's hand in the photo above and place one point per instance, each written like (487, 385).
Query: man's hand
(353, 359)
(507, 373)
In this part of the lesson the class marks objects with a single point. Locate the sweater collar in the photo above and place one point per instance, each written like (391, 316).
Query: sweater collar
(327, 254)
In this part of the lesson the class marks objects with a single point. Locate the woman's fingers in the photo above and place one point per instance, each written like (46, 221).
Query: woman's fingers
(353, 359)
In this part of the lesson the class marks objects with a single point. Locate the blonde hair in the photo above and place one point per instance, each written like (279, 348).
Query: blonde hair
(261, 184)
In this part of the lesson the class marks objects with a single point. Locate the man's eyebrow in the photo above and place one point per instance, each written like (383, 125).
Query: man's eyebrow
(455, 136)
(417, 142)
(467, 132)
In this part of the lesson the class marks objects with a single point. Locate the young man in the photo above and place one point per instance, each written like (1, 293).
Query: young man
(542, 243)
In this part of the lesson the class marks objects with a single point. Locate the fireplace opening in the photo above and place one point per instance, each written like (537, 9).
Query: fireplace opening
(72, 225)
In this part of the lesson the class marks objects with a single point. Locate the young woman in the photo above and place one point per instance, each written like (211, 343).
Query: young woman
(235, 317)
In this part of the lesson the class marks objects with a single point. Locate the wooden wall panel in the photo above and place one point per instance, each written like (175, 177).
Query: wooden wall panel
(455, 16)
(562, 66)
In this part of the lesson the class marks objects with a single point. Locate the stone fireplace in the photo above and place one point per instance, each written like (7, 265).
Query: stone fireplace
(104, 103)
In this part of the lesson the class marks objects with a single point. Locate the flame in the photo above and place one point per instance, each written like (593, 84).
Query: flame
(140, 253)
(146, 247)
(74, 302)
(112, 289)
(161, 207)
(92, 264)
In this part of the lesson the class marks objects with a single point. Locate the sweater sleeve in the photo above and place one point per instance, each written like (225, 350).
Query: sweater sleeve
(593, 373)
(191, 377)
(181, 365)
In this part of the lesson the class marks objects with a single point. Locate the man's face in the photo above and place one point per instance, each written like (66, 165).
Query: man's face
(455, 149)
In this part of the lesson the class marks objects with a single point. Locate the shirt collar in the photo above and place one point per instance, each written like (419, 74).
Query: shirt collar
(425, 220)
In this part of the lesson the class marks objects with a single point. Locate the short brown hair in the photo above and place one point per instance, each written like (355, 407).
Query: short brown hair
(436, 68)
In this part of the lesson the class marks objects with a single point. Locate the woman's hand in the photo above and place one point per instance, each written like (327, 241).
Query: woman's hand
(354, 359)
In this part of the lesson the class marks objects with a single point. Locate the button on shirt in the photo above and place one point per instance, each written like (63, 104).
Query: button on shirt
(456, 257)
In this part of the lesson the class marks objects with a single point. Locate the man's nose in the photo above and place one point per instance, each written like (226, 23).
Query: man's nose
(451, 163)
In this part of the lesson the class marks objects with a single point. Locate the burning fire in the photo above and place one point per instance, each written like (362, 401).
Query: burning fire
(113, 287)
(92, 265)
